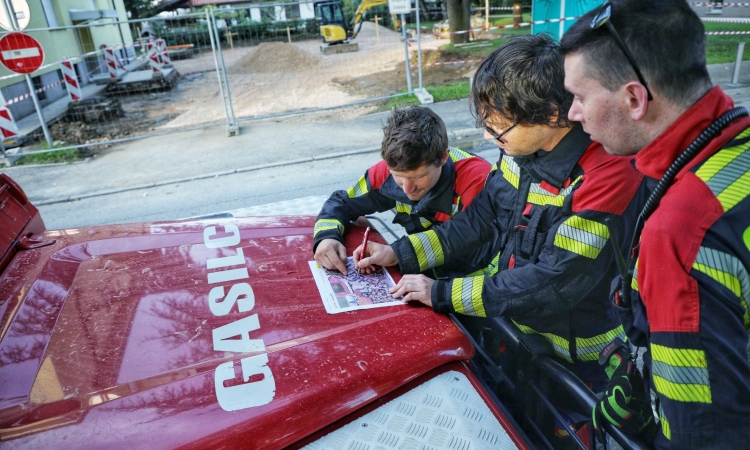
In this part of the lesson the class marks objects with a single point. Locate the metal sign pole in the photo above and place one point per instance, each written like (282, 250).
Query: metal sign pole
(406, 52)
(11, 13)
(419, 49)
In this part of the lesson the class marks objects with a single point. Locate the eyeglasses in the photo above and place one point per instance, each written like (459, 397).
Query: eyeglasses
(602, 18)
(499, 137)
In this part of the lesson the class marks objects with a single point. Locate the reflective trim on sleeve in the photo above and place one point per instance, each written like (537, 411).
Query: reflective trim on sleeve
(511, 171)
(403, 208)
(587, 349)
(490, 270)
(560, 345)
(665, 430)
(359, 188)
(727, 174)
(681, 374)
(582, 236)
(428, 249)
(454, 206)
(426, 224)
(466, 296)
(456, 154)
(328, 224)
(728, 271)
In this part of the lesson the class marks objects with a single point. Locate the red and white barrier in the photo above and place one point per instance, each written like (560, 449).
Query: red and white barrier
(730, 5)
(161, 44)
(109, 54)
(153, 58)
(8, 127)
(71, 80)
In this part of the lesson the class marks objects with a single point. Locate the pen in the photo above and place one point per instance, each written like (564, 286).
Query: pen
(364, 244)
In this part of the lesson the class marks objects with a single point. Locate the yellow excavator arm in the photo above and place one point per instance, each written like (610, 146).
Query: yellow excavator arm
(363, 7)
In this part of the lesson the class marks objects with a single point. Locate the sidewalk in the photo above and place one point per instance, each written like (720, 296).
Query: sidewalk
(208, 153)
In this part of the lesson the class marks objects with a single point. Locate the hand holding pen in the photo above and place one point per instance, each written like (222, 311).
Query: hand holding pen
(380, 256)
(364, 247)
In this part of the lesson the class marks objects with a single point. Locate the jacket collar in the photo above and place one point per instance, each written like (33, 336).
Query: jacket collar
(439, 198)
(654, 160)
(555, 167)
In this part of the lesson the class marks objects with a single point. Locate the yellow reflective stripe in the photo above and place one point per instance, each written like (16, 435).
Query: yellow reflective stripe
(540, 196)
(466, 296)
(634, 282)
(727, 174)
(665, 429)
(681, 374)
(428, 249)
(582, 236)
(511, 171)
(403, 208)
(560, 345)
(456, 154)
(359, 188)
(728, 271)
(587, 349)
(490, 270)
(425, 223)
(328, 224)
(454, 206)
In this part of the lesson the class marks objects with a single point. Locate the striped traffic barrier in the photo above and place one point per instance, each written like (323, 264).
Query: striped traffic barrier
(161, 44)
(71, 80)
(109, 54)
(8, 127)
(153, 58)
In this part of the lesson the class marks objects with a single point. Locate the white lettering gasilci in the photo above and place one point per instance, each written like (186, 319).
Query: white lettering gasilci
(257, 385)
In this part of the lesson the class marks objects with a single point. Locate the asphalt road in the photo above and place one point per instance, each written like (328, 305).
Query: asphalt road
(223, 193)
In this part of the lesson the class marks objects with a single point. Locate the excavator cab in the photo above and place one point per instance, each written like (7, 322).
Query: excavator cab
(334, 28)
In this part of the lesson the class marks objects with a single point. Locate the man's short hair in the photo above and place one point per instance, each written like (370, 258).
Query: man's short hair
(414, 136)
(666, 38)
(523, 80)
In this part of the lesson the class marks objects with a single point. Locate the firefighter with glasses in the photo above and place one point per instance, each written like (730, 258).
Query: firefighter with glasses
(554, 198)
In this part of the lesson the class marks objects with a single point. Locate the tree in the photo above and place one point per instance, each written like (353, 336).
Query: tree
(138, 9)
(459, 18)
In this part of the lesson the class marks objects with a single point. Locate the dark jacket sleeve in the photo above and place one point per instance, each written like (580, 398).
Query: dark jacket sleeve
(574, 257)
(348, 205)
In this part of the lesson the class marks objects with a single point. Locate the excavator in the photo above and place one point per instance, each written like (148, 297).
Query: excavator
(335, 31)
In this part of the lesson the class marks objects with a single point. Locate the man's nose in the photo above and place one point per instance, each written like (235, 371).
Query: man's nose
(408, 187)
(574, 113)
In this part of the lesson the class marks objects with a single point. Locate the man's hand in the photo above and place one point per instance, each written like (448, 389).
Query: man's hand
(416, 288)
(331, 254)
(625, 403)
(380, 255)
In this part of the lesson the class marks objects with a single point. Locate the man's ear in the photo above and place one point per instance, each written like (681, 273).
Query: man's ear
(445, 156)
(636, 97)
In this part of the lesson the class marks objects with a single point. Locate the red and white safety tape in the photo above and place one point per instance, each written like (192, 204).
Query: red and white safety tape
(726, 19)
(731, 5)
(25, 96)
(723, 33)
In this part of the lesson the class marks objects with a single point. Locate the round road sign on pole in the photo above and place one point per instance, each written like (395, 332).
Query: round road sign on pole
(21, 53)
(19, 9)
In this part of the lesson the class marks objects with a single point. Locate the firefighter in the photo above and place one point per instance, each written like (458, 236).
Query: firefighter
(420, 177)
(554, 199)
(638, 73)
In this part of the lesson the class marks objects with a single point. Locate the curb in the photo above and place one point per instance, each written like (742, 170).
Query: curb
(453, 135)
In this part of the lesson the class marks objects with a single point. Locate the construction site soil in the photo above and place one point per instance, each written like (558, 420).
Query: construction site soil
(272, 79)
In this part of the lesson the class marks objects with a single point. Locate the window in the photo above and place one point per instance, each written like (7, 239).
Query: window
(37, 81)
(49, 12)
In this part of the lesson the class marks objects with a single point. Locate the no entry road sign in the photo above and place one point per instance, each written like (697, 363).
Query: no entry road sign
(21, 53)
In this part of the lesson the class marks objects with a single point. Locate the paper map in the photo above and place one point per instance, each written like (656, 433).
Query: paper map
(352, 292)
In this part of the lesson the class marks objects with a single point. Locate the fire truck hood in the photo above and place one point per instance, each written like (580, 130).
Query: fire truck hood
(191, 334)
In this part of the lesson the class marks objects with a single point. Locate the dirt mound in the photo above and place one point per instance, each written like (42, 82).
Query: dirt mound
(275, 57)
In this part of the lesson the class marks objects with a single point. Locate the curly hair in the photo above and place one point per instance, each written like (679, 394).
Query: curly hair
(522, 80)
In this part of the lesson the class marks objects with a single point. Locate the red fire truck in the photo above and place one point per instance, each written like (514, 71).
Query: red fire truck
(210, 333)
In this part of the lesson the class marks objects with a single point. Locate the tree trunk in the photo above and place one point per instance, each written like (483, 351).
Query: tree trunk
(517, 12)
(459, 12)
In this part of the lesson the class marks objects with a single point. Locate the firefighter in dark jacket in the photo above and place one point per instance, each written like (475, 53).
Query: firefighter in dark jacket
(420, 177)
(689, 288)
(553, 198)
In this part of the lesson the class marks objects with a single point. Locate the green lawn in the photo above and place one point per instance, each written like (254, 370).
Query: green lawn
(723, 49)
